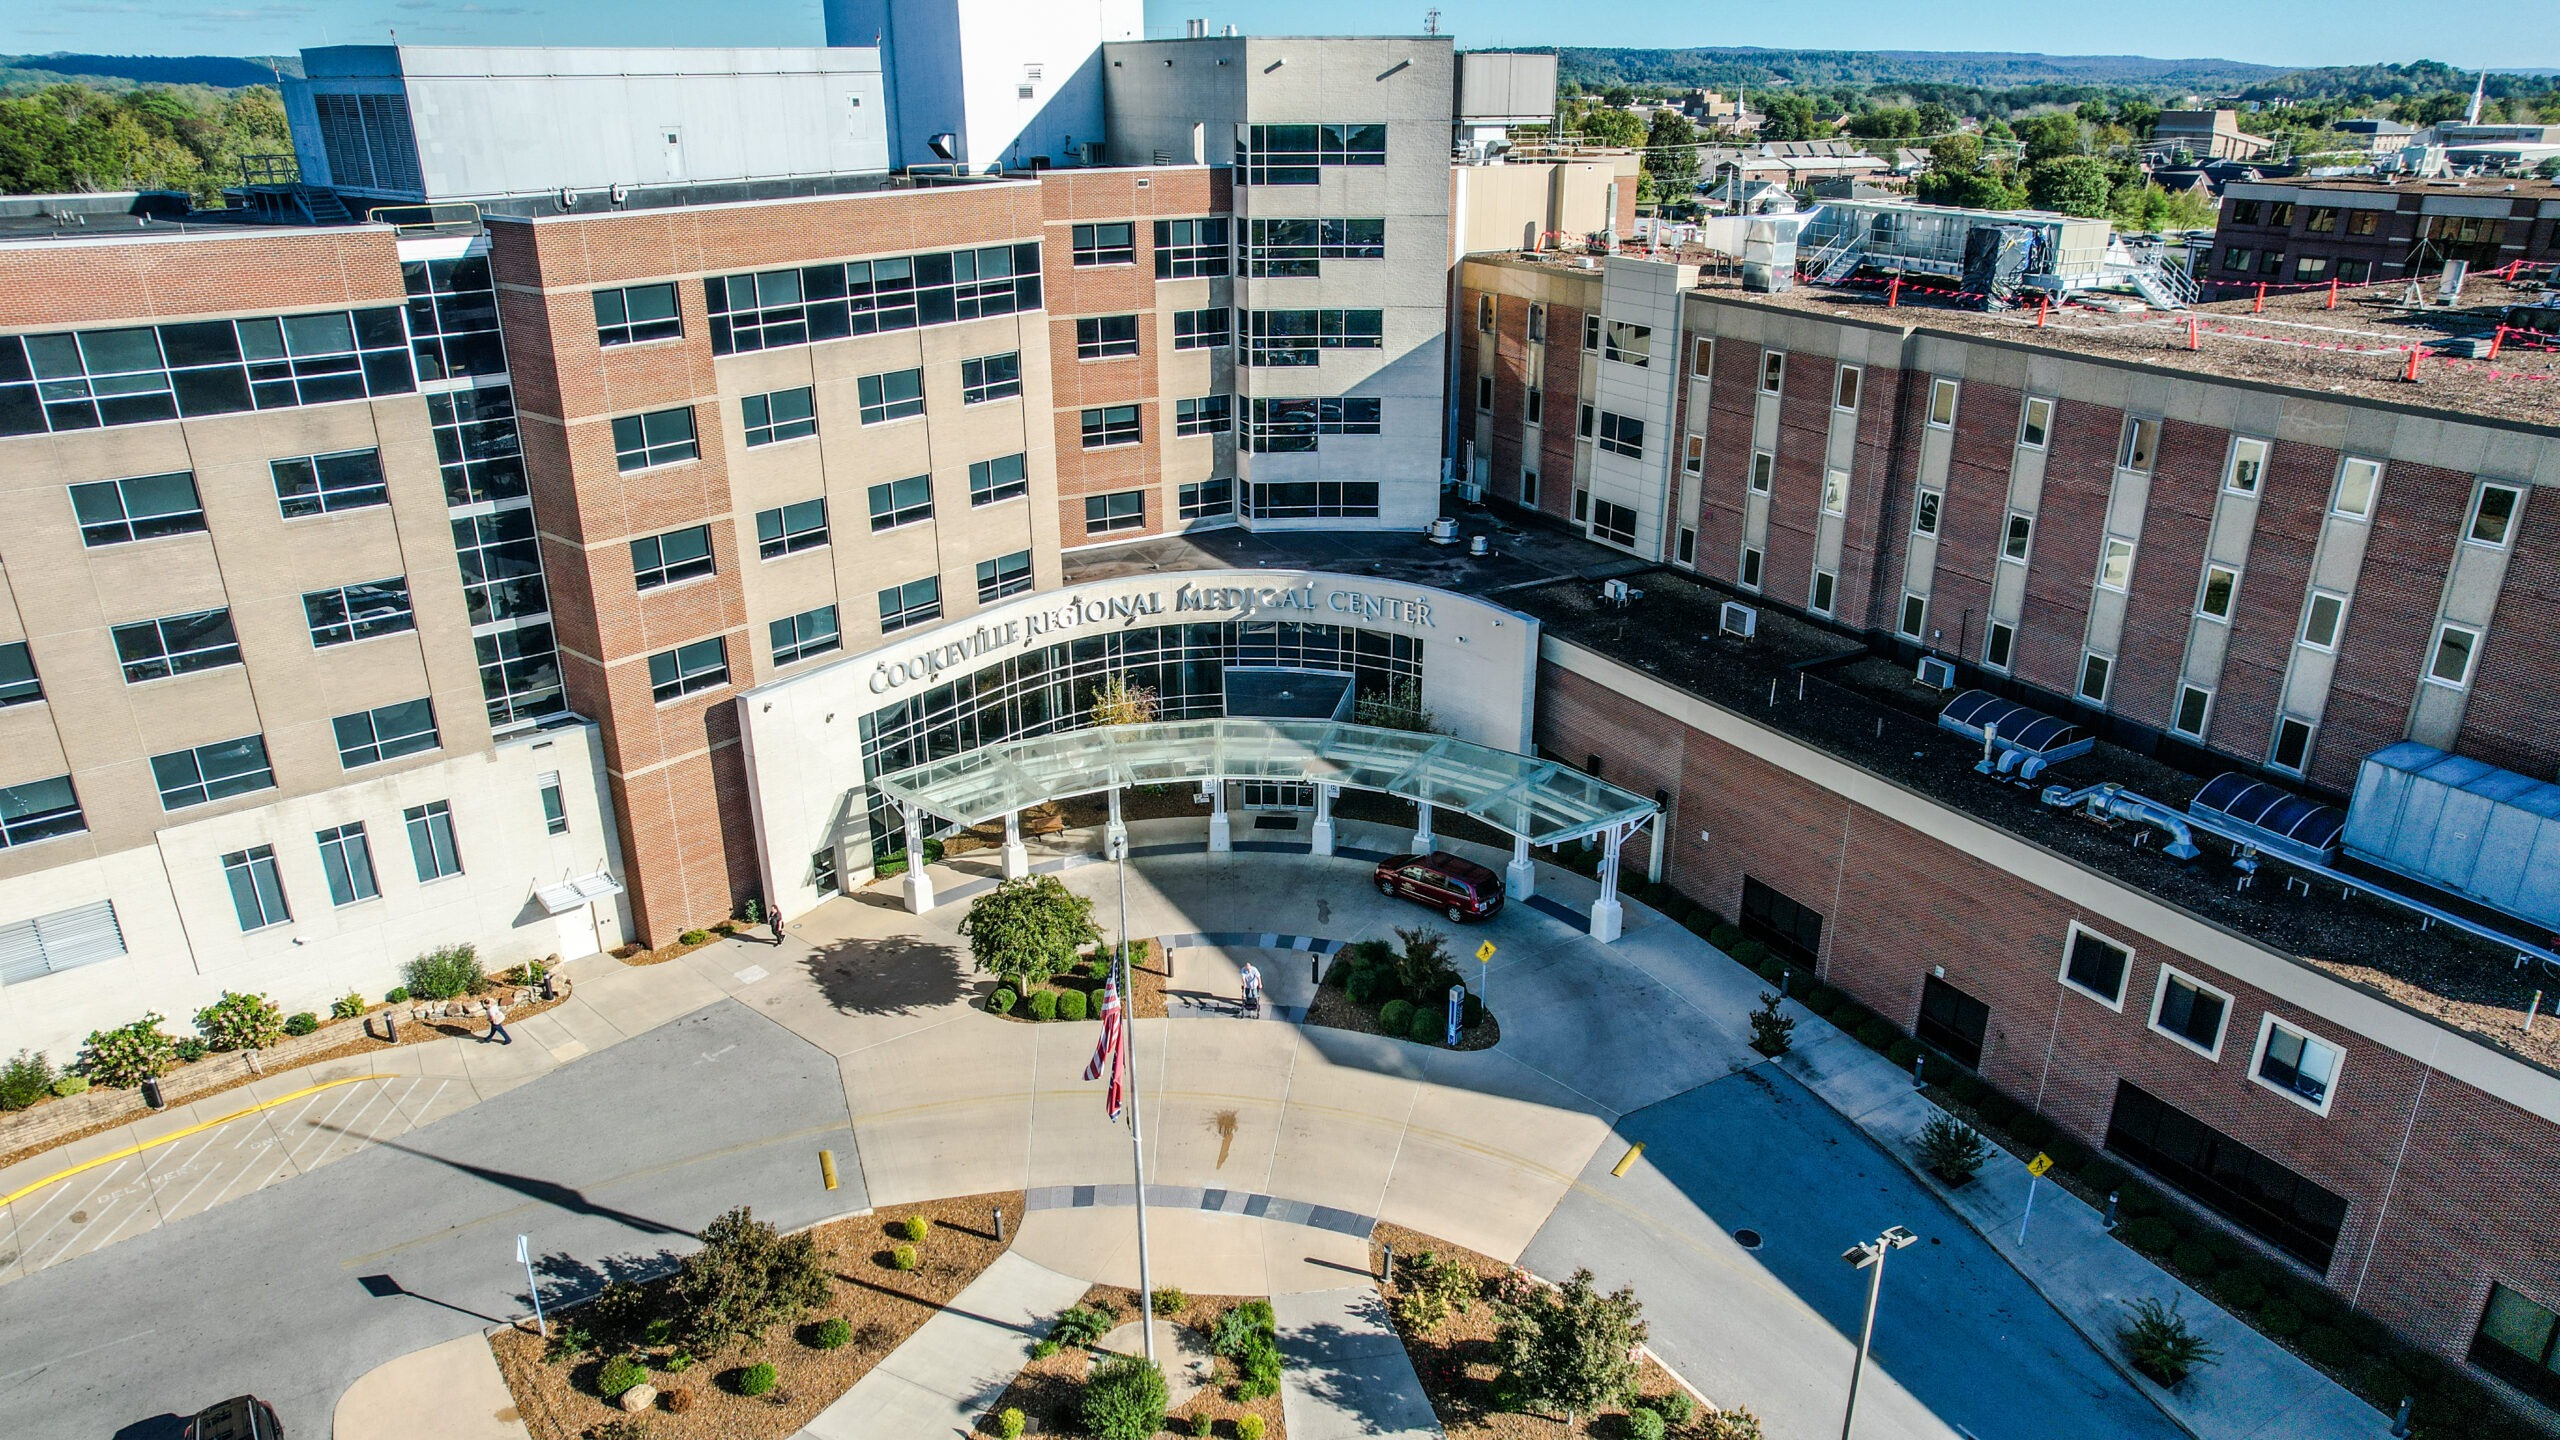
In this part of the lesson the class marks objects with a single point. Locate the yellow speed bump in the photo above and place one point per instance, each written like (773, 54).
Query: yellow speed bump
(113, 1156)
(1628, 1160)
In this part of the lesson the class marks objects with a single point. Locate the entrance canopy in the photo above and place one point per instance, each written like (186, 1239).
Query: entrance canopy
(1536, 800)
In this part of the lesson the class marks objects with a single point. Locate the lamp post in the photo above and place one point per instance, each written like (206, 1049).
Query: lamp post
(1868, 1255)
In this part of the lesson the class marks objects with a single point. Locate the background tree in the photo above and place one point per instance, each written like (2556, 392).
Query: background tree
(1787, 117)
(2071, 184)
(1024, 931)
(1671, 153)
(1935, 118)
(1600, 126)
(1117, 702)
(2051, 135)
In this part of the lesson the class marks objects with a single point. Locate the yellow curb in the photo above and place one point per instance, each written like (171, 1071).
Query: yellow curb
(131, 1150)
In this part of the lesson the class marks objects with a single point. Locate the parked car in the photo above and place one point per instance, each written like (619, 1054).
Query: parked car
(1456, 887)
(243, 1417)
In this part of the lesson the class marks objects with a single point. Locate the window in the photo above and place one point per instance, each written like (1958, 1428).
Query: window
(145, 507)
(2094, 672)
(822, 871)
(2021, 534)
(501, 565)
(1702, 357)
(2321, 620)
(1006, 477)
(138, 374)
(2311, 268)
(1589, 419)
(2195, 707)
(2246, 467)
(990, 377)
(520, 673)
(2297, 1064)
(1844, 392)
(1591, 333)
(2190, 1012)
(2141, 444)
(174, 645)
(868, 297)
(453, 316)
(1109, 244)
(1915, 615)
(257, 891)
(2323, 221)
(913, 603)
(359, 612)
(1103, 337)
(431, 846)
(1613, 522)
(1284, 338)
(895, 395)
(1201, 329)
(1621, 434)
(322, 484)
(2238, 257)
(1121, 510)
(1997, 644)
(2364, 222)
(2451, 662)
(1300, 248)
(2115, 564)
(1750, 573)
(1292, 154)
(1764, 470)
(2354, 272)
(2095, 966)
(1924, 513)
(2221, 591)
(2247, 212)
(901, 502)
(702, 665)
(661, 437)
(677, 555)
(1004, 575)
(2357, 482)
(1693, 454)
(2514, 1343)
(347, 859)
(636, 313)
(369, 737)
(1537, 323)
(791, 528)
(1771, 917)
(811, 632)
(2256, 1193)
(1627, 344)
(1835, 492)
(1313, 500)
(1484, 313)
(780, 415)
(2292, 749)
(1942, 404)
(1688, 552)
(1206, 499)
(38, 810)
(1484, 394)
(555, 808)
(1529, 485)
(1773, 371)
(477, 448)
(212, 772)
(1825, 585)
(2271, 262)
(1581, 505)
(1202, 415)
(1533, 406)
(2035, 422)
(18, 682)
(1111, 425)
(1191, 249)
(2493, 514)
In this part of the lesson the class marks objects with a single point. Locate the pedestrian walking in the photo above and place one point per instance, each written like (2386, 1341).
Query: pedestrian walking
(776, 919)
(497, 1022)
(1252, 979)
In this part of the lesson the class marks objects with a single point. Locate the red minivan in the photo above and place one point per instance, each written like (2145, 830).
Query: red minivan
(1456, 887)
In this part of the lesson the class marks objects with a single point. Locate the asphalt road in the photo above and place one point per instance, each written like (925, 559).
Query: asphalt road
(294, 1292)
(1963, 1345)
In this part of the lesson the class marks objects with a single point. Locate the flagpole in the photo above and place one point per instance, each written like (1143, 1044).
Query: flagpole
(1137, 1126)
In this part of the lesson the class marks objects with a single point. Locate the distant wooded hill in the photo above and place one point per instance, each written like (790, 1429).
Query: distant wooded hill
(19, 73)
(1730, 67)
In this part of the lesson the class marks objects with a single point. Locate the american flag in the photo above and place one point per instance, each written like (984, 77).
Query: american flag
(1111, 1052)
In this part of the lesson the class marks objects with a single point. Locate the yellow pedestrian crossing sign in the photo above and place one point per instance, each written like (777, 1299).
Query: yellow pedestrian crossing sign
(1484, 953)
(2040, 1164)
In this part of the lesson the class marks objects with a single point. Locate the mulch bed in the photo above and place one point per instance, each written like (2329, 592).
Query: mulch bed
(1456, 1364)
(1050, 1392)
(1147, 975)
(642, 955)
(1333, 1007)
(558, 1400)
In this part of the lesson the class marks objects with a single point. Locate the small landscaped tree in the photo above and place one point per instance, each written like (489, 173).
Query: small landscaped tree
(1124, 1399)
(1024, 931)
(1117, 702)
(1772, 1029)
(2161, 1344)
(240, 1021)
(1398, 707)
(746, 1278)
(1570, 1348)
(1952, 1149)
(127, 1055)
(1423, 968)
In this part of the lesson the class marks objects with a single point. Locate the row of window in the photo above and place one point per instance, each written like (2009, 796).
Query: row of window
(346, 859)
(667, 437)
(2312, 269)
(2286, 1058)
(775, 308)
(1299, 154)
(170, 645)
(81, 380)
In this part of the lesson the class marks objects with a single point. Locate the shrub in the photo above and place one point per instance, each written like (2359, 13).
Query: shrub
(1822, 1000)
(567, 1339)
(239, 1021)
(190, 1049)
(347, 1006)
(2328, 1347)
(2103, 1175)
(1081, 1325)
(2381, 1382)
(1644, 1423)
(26, 1079)
(1569, 1348)
(66, 1086)
(1752, 953)
(678, 1361)
(2194, 1257)
(915, 1228)
(127, 1055)
(2241, 1291)
(1734, 1424)
(1009, 1423)
(2149, 1234)
(2068, 1154)
(1725, 937)
(1951, 1148)
(1429, 1027)
(1965, 1090)
(1245, 1335)
(620, 1427)
(1429, 1289)
(1071, 1004)
(1903, 1052)
(2160, 1343)
(301, 1022)
(1396, 1016)
(1003, 1001)
(1676, 1407)
(678, 1399)
(1248, 1427)
(756, 1379)
(903, 1258)
(1361, 985)
(2280, 1319)
(445, 973)
(1877, 1035)
(1772, 1029)
(396, 995)
(1204, 1424)
(1044, 1004)
(2035, 1130)
(1471, 1011)
(1771, 968)
(1124, 1399)
(746, 1277)
(2000, 1112)
(1236, 1325)
(657, 1331)
(619, 1374)
(694, 937)
(1168, 1300)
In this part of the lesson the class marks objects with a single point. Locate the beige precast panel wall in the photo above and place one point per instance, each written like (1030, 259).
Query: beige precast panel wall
(803, 735)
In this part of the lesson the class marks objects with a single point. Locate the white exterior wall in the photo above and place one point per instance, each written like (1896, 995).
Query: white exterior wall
(803, 735)
(183, 943)
(962, 66)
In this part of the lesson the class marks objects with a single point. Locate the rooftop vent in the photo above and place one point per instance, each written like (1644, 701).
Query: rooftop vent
(1738, 619)
(2470, 827)
(2276, 821)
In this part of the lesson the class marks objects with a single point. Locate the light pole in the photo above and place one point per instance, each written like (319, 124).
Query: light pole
(1868, 1255)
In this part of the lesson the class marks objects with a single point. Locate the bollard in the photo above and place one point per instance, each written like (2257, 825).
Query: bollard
(1389, 1277)
(1315, 969)
(827, 1167)
(151, 1092)
(1785, 976)
(1919, 1077)
(2400, 1422)
(998, 1213)
(390, 1027)
(2531, 1012)
(2110, 1221)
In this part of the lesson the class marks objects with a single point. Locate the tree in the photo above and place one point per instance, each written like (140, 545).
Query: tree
(1618, 97)
(1612, 127)
(1124, 1399)
(2051, 135)
(1398, 707)
(746, 1278)
(2071, 184)
(2139, 116)
(2548, 169)
(1570, 1348)
(1117, 702)
(1787, 117)
(1889, 123)
(1024, 931)
(1772, 1029)
(1671, 153)
(1936, 119)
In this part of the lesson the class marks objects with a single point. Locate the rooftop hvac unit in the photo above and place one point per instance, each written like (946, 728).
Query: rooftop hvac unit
(1738, 619)
(1937, 674)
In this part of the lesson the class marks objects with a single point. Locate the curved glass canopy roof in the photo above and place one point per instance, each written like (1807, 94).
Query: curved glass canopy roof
(1547, 802)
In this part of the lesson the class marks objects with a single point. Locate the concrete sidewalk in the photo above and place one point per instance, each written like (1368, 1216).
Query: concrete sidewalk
(451, 1391)
(1345, 1375)
(948, 1374)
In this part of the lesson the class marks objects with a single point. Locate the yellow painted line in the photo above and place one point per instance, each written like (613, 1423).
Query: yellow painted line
(132, 1150)
(1629, 1159)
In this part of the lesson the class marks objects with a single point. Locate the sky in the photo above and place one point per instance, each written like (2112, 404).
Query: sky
(2275, 32)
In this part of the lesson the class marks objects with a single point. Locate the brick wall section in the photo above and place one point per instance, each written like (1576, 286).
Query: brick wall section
(1875, 542)
(2268, 613)
(1556, 443)
(1975, 513)
(2417, 521)
(2167, 567)
(2071, 524)
(1725, 489)
(2466, 1204)
(1795, 489)
(2511, 720)
(1510, 394)
(53, 284)
(1866, 598)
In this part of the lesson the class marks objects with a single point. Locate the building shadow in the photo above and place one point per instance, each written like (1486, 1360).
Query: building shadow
(158, 1427)
(902, 975)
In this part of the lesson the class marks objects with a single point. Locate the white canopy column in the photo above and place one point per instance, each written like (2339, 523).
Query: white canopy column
(1608, 918)
(1324, 820)
(1221, 838)
(1016, 860)
(1520, 877)
(919, 886)
(1115, 836)
(1423, 839)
